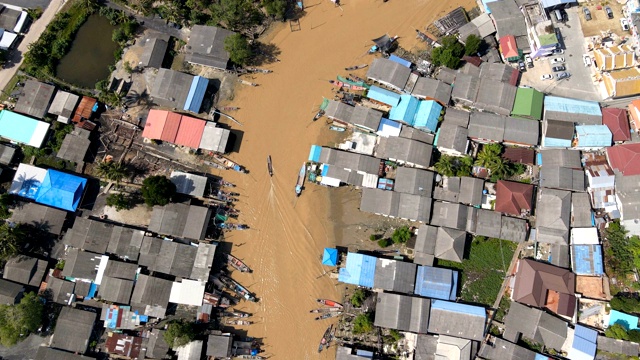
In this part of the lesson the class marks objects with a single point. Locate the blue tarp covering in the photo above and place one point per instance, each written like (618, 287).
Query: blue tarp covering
(330, 257)
(314, 153)
(555, 103)
(439, 283)
(384, 96)
(364, 354)
(629, 322)
(386, 123)
(92, 290)
(359, 270)
(427, 115)
(593, 135)
(406, 110)
(459, 308)
(325, 170)
(400, 61)
(111, 318)
(587, 260)
(196, 94)
(61, 190)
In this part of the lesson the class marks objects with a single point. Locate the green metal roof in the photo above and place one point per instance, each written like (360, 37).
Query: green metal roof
(528, 103)
(548, 39)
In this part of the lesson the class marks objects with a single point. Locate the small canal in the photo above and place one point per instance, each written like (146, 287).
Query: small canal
(90, 55)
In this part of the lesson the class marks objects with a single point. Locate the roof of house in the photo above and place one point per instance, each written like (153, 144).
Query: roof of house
(558, 133)
(121, 270)
(214, 138)
(572, 110)
(449, 215)
(47, 353)
(90, 235)
(22, 129)
(346, 353)
(171, 88)
(553, 216)
(190, 132)
(36, 99)
(153, 52)
(513, 197)
(187, 292)
(181, 220)
(414, 181)
(406, 110)
(429, 88)
(63, 104)
(562, 178)
(457, 319)
(617, 346)
(203, 261)
(519, 155)
(402, 312)
(446, 75)
(43, 217)
(48, 187)
(206, 46)
(508, 18)
(587, 260)
(359, 270)
(535, 279)
(509, 47)
(536, 325)
(581, 214)
(219, 346)
(465, 88)
(498, 348)
(6, 154)
(10, 292)
(497, 97)
(500, 72)
(458, 117)
(522, 131)
(365, 117)
(450, 244)
(151, 295)
(349, 160)
(486, 222)
(396, 276)
(411, 133)
(395, 204)
(625, 158)
(452, 21)
(168, 257)
(25, 270)
(61, 290)
(561, 157)
(452, 137)
(73, 330)
(628, 195)
(115, 290)
(472, 194)
(487, 126)
(528, 103)
(480, 26)
(123, 345)
(383, 96)
(405, 150)
(514, 229)
(388, 72)
(449, 190)
(438, 283)
(75, 146)
(81, 264)
(617, 121)
(189, 184)
(428, 346)
(593, 136)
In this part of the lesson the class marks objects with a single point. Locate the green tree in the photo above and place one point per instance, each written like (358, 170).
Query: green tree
(237, 15)
(363, 324)
(634, 246)
(112, 170)
(401, 235)
(157, 190)
(179, 333)
(472, 44)
(395, 334)
(10, 240)
(6, 200)
(358, 297)
(618, 255)
(488, 155)
(18, 321)
(616, 331)
(445, 165)
(275, 8)
(445, 57)
(238, 48)
(119, 201)
(464, 165)
(625, 303)
(383, 243)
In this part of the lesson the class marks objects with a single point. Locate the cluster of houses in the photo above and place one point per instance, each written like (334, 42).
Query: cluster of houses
(13, 22)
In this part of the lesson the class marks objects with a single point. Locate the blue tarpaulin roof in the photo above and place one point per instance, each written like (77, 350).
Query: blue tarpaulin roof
(593, 135)
(584, 344)
(427, 115)
(587, 260)
(400, 61)
(196, 94)
(439, 283)
(458, 308)
(359, 270)
(384, 96)
(314, 153)
(629, 322)
(387, 125)
(555, 103)
(330, 257)
(61, 190)
(406, 110)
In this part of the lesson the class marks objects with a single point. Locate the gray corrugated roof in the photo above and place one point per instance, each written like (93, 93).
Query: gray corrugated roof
(151, 291)
(115, 290)
(508, 18)
(573, 117)
(121, 270)
(559, 255)
(450, 244)
(472, 190)
(43, 217)
(389, 73)
(365, 117)
(450, 215)
(338, 110)
(63, 104)
(581, 210)
(487, 126)
(453, 138)
(180, 220)
(426, 239)
(405, 150)
(81, 264)
(10, 292)
(513, 229)
(452, 21)
(481, 26)
(35, 99)
(394, 204)
(446, 75)
(350, 161)
(536, 325)
(396, 276)
(495, 96)
(206, 46)
(25, 270)
(498, 348)
(125, 243)
(561, 157)
(414, 207)
(203, 261)
(497, 71)
(558, 129)
(167, 257)
(157, 347)
(89, 235)
(189, 184)
(214, 138)
(426, 347)
(454, 116)
(449, 191)
(412, 133)
(465, 89)
(171, 88)
(414, 181)
(47, 353)
(617, 346)
(219, 346)
(627, 191)
(61, 290)
(428, 88)
(562, 178)
(455, 323)
(153, 52)
(6, 154)
(402, 312)
(74, 147)
(553, 216)
(73, 330)
(521, 131)
(488, 223)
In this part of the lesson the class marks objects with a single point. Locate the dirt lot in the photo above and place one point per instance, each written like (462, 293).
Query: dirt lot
(599, 21)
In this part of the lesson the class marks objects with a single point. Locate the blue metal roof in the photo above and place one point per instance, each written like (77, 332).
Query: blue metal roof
(406, 110)
(556, 103)
(384, 96)
(61, 190)
(400, 61)
(553, 142)
(459, 308)
(22, 129)
(359, 270)
(586, 333)
(314, 153)
(593, 135)
(384, 122)
(196, 94)
(325, 170)
(427, 115)
(584, 344)
(629, 322)
(587, 260)
(439, 283)
(330, 257)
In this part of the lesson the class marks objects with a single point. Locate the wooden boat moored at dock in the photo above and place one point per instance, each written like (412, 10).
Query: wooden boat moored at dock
(329, 303)
(237, 264)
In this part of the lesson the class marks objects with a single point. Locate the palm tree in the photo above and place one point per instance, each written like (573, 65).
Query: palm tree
(9, 240)
(445, 165)
(111, 170)
(488, 155)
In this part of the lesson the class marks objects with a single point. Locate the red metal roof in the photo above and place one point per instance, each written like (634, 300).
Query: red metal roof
(519, 155)
(124, 345)
(155, 124)
(618, 122)
(84, 109)
(473, 60)
(190, 132)
(509, 47)
(511, 197)
(171, 127)
(625, 158)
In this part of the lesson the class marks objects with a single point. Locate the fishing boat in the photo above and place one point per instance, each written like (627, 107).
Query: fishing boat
(237, 288)
(356, 78)
(329, 303)
(269, 165)
(325, 309)
(236, 313)
(331, 337)
(337, 128)
(237, 264)
(301, 175)
(356, 67)
(228, 164)
(238, 322)
(337, 83)
(329, 315)
(214, 165)
(325, 338)
(318, 115)
(230, 108)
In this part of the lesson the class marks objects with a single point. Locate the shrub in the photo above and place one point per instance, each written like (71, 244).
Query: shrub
(363, 324)
(358, 298)
(179, 333)
(119, 201)
(401, 235)
(157, 190)
(395, 334)
(383, 243)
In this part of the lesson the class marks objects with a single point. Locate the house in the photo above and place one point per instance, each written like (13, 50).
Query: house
(388, 73)
(396, 276)
(36, 99)
(617, 121)
(481, 26)
(587, 259)
(450, 215)
(75, 146)
(154, 49)
(581, 214)
(414, 181)
(60, 291)
(427, 115)
(63, 105)
(359, 116)
(513, 198)
(214, 138)
(406, 110)
(497, 97)
(486, 127)
(7, 39)
(560, 157)
(219, 346)
(206, 46)
(48, 187)
(593, 137)
(571, 110)
(465, 190)
(485, 222)
(7, 153)
(100, 237)
(177, 90)
(509, 20)
(528, 104)
(624, 158)
(584, 343)
(187, 292)
(190, 351)
(457, 320)
(599, 173)
(497, 348)
(628, 201)
(452, 139)
(123, 346)
(43, 217)
(346, 353)
(534, 325)
(557, 134)
(432, 89)
(156, 346)
(25, 270)
(388, 128)
(10, 293)
(12, 18)
(383, 96)
(457, 117)
(83, 265)
(449, 347)
(554, 215)
(540, 29)
(465, 89)
(441, 242)
(395, 204)
(545, 286)
(359, 270)
(411, 133)
(451, 22)
(151, 296)
(203, 261)
(349, 161)
(189, 184)
(519, 155)
(84, 112)
(177, 129)
(513, 229)
(562, 178)
(402, 312)
(634, 114)
(405, 151)
(181, 220)
(168, 257)
(500, 72)
(615, 346)
(22, 129)
(73, 330)
(117, 282)
(521, 132)
(436, 283)
(509, 48)
(120, 317)
(614, 58)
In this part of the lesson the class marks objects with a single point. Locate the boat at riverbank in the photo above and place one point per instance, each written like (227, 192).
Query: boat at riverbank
(301, 175)
(237, 264)
(325, 338)
(328, 315)
(238, 322)
(237, 288)
(325, 309)
(329, 303)
(269, 165)
(228, 164)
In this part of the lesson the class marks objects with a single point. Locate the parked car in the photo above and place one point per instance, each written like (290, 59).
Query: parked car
(522, 67)
(558, 52)
(562, 75)
(624, 24)
(558, 68)
(607, 9)
(587, 13)
(558, 60)
(546, 77)
(587, 60)
(528, 60)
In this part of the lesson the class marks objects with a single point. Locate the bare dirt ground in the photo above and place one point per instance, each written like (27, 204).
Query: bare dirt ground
(600, 22)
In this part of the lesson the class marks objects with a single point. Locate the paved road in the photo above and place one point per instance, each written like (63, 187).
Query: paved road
(154, 22)
(12, 65)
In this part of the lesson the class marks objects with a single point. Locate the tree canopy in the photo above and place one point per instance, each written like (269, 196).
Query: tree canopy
(453, 165)
(363, 324)
(20, 320)
(449, 53)
(179, 333)
(472, 45)
(490, 157)
(112, 170)
(238, 48)
(401, 235)
(11, 239)
(276, 8)
(236, 14)
(618, 255)
(157, 190)
(625, 303)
